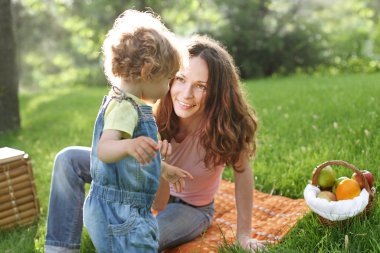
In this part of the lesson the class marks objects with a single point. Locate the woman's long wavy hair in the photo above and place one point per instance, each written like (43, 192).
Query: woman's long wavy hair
(229, 123)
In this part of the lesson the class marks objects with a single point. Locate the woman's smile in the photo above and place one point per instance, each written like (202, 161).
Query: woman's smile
(188, 91)
(184, 106)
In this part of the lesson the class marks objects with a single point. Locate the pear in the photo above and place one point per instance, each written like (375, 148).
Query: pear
(326, 177)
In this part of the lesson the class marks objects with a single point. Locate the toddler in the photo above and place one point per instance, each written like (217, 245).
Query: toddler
(140, 57)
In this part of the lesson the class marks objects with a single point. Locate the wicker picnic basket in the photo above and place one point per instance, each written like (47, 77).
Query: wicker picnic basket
(18, 196)
(371, 191)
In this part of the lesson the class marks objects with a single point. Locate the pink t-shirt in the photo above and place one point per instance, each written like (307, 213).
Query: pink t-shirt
(188, 155)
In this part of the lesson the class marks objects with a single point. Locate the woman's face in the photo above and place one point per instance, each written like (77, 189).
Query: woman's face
(188, 90)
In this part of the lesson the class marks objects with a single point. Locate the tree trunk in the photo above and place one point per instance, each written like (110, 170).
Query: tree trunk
(9, 105)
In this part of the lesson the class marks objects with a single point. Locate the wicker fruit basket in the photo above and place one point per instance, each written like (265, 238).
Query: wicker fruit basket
(371, 191)
(18, 196)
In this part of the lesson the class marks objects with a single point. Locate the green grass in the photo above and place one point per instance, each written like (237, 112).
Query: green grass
(304, 121)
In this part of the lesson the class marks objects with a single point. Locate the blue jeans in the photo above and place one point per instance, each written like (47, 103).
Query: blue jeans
(65, 216)
(180, 223)
(177, 224)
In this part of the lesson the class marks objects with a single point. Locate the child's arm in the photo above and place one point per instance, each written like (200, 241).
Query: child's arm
(112, 147)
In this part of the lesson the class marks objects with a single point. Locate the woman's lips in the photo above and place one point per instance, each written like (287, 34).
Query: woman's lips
(184, 105)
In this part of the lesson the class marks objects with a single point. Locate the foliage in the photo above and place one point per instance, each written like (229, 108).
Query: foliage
(65, 49)
(303, 121)
(281, 37)
(193, 16)
(264, 39)
(351, 33)
(60, 40)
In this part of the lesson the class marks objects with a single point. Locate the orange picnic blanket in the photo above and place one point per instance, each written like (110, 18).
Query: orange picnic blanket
(272, 218)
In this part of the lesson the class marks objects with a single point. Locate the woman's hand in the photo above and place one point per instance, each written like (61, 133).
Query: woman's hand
(252, 244)
(172, 174)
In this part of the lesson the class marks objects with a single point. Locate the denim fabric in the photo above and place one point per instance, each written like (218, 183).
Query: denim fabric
(181, 222)
(64, 226)
(117, 209)
(178, 223)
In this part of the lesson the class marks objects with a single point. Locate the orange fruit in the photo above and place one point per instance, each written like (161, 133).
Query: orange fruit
(347, 189)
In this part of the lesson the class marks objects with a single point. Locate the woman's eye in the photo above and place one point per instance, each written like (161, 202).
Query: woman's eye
(201, 87)
(178, 78)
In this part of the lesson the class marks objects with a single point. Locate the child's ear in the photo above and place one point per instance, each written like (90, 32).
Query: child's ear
(146, 70)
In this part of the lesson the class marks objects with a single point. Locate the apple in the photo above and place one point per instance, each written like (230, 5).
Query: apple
(326, 177)
(368, 175)
(329, 196)
(337, 182)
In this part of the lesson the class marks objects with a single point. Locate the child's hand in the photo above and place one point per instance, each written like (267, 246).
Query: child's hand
(175, 176)
(165, 150)
(143, 149)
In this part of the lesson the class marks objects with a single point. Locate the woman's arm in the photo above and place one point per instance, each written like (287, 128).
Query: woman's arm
(244, 185)
(175, 176)
(244, 195)
(162, 196)
(163, 192)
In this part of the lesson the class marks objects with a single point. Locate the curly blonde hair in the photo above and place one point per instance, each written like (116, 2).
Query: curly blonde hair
(139, 47)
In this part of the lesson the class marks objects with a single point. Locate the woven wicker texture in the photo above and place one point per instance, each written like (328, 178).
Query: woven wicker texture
(272, 218)
(18, 196)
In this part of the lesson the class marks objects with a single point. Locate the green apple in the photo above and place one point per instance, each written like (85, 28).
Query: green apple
(337, 182)
(329, 196)
(326, 177)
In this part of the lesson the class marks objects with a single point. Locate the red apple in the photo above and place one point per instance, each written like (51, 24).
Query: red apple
(368, 175)
(329, 196)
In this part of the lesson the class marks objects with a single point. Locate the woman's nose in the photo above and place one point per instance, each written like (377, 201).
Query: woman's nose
(188, 90)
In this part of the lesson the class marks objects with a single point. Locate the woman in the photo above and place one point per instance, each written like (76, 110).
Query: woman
(209, 125)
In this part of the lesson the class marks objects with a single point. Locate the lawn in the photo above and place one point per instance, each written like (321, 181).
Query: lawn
(304, 121)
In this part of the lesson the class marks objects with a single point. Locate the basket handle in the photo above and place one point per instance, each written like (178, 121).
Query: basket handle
(345, 164)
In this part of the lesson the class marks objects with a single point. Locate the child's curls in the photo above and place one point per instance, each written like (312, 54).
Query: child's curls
(140, 48)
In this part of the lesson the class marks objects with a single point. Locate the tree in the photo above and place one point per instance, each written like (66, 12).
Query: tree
(9, 105)
(267, 37)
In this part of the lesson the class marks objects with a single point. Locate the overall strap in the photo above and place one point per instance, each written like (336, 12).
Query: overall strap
(143, 111)
(120, 95)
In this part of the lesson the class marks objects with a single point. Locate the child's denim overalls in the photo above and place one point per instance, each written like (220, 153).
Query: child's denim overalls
(117, 210)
